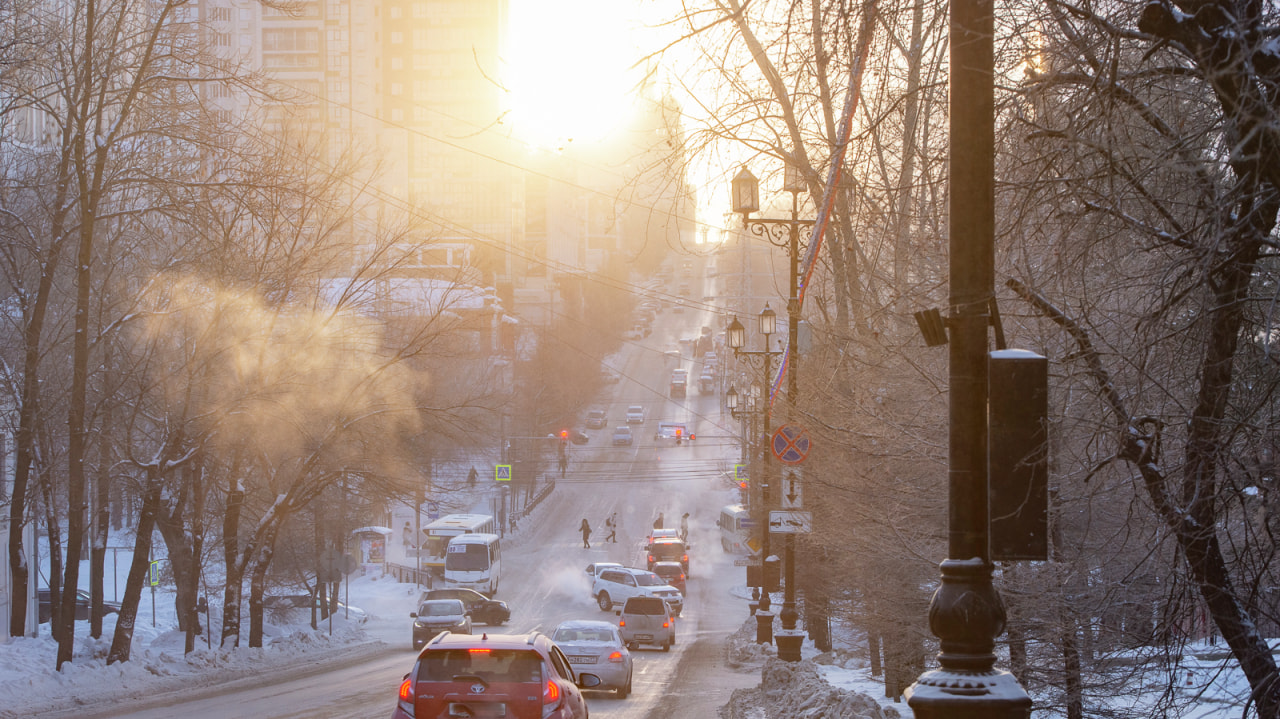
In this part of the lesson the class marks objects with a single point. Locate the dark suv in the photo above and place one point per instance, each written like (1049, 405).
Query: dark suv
(481, 608)
(82, 606)
(518, 676)
(669, 550)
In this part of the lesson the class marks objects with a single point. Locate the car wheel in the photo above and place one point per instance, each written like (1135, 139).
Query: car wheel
(666, 646)
(633, 646)
(625, 689)
(603, 601)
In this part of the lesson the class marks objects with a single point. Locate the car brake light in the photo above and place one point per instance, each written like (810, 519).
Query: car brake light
(650, 558)
(616, 657)
(406, 696)
(551, 694)
(622, 622)
(666, 624)
(478, 651)
(685, 558)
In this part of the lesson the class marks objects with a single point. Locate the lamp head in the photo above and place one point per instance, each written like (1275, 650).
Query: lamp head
(768, 320)
(736, 334)
(746, 192)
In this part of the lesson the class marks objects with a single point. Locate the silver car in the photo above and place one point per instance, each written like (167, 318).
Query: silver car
(647, 620)
(596, 647)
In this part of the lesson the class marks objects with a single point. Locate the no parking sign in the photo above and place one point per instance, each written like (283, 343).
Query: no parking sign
(790, 444)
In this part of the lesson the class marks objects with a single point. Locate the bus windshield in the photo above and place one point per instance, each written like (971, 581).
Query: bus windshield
(467, 558)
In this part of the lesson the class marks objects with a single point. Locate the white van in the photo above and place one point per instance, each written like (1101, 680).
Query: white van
(474, 561)
(735, 525)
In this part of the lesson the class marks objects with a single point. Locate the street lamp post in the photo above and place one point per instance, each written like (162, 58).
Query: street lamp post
(746, 192)
(737, 338)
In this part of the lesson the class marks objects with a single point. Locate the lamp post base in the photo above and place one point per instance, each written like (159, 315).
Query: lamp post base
(764, 627)
(944, 694)
(789, 642)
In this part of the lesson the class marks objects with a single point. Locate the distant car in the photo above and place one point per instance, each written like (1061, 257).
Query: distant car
(439, 615)
(596, 419)
(492, 675)
(285, 608)
(669, 550)
(578, 437)
(647, 620)
(671, 533)
(622, 436)
(596, 647)
(672, 573)
(635, 414)
(596, 567)
(83, 604)
(481, 608)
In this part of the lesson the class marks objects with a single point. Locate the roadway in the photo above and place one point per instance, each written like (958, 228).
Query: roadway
(543, 579)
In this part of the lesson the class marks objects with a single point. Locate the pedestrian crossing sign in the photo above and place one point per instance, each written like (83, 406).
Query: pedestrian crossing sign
(740, 472)
(502, 472)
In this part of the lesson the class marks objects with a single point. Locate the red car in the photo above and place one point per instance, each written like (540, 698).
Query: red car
(518, 676)
(672, 573)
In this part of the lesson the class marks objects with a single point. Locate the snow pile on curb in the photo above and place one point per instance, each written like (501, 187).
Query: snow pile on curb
(741, 650)
(797, 690)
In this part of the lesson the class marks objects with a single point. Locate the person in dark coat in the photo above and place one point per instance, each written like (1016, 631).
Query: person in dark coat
(586, 533)
(657, 523)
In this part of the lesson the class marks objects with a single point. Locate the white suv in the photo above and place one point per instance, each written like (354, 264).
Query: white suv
(617, 585)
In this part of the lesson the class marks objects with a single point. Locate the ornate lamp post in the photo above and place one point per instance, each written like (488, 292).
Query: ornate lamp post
(736, 336)
(785, 234)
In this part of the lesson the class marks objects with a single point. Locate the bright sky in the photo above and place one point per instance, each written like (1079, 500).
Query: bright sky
(568, 68)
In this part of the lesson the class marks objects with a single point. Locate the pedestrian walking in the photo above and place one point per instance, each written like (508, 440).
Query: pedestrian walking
(586, 533)
(407, 535)
(684, 527)
(657, 523)
(612, 524)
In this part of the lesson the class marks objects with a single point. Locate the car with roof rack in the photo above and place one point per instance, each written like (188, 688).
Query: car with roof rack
(518, 676)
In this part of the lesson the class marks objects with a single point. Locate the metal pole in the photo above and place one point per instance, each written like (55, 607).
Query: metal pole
(789, 640)
(966, 612)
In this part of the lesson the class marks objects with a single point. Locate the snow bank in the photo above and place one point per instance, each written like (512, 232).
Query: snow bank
(797, 690)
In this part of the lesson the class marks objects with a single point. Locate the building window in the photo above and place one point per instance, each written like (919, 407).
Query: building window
(397, 37)
(220, 14)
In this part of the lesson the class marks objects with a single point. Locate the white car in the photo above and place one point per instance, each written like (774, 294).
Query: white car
(615, 586)
(635, 414)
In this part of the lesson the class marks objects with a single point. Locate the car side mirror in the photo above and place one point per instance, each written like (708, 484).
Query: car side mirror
(618, 612)
(413, 615)
(588, 681)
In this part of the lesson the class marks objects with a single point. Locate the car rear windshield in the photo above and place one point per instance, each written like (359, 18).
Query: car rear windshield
(645, 605)
(494, 666)
(649, 579)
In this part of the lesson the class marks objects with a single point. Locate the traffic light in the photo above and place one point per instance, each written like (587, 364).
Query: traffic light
(564, 434)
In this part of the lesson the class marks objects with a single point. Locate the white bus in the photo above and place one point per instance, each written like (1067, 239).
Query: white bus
(447, 527)
(735, 529)
(474, 561)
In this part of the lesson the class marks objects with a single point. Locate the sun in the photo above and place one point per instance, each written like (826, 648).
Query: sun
(569, 69)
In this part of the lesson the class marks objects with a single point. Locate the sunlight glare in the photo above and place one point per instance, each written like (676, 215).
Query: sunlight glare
(568, 70)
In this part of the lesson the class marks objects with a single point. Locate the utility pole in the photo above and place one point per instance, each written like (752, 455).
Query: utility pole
(966, 612)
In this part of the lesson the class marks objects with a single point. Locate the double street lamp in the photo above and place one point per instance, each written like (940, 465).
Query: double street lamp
(783, 233)
(736, 336)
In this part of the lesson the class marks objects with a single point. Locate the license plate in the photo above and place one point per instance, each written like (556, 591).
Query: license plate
(478, 709)
(582, 660)
(645, 636)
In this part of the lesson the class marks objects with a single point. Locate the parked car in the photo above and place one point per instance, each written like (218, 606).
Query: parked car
(596, 419)
(285, 608)
(83, 604)
(635, 414)
(672, 573)
(511, 675)
(614, 586)
(647, 620)
(622, 436)
(596, 567)
(669, 550)
(598, 648)
(439, 615)
(481, 608)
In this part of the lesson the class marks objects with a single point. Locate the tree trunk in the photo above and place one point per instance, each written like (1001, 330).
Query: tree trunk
(233, 592)
(98, 532)
(873, 652)
(258, 584)
(53, 532)
(122, 641)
